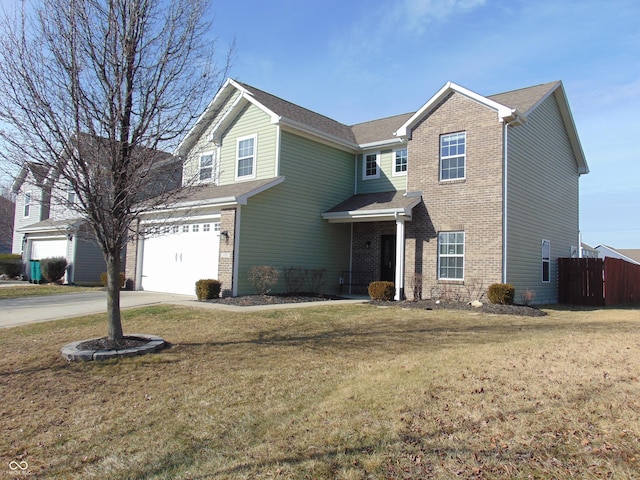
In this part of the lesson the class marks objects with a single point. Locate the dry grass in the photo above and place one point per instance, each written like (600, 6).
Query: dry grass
(29, 290)
(349, 392)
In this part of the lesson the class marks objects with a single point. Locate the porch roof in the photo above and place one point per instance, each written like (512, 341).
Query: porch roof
(60, 227)
(374, 207)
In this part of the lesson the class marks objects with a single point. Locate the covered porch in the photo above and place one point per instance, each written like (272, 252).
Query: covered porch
(377, 250)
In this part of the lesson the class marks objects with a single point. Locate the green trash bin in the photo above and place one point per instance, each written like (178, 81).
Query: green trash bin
(36, 275)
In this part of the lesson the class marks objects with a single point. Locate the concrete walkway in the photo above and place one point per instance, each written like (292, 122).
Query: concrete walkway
(20, 311)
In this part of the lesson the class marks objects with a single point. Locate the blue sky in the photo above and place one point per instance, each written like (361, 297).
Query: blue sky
(357, 60)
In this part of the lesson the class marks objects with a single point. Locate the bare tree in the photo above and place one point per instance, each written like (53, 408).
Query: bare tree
(93, 88)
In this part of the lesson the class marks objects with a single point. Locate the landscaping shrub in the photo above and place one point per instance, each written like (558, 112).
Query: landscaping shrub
(10, 264)
(206, 289)
(103, 279)
(294, 278)
(53, 268)
(264, 278)
(381, 290)
(316, 279)
(501, 293)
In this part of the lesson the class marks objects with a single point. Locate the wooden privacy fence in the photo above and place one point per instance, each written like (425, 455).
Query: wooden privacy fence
(598, 282)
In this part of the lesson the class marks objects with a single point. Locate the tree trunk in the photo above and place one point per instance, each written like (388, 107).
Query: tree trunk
(113, 297)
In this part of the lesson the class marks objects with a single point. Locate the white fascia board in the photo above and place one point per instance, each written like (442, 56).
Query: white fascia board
(367, 215)
(382, 143)
(242, 199)
(503, 111)
(317, 134)
(224, 120)
(203, 118)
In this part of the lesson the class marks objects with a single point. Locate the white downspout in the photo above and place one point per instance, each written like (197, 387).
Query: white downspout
(505, 163)
(236, 255)
(399, 273)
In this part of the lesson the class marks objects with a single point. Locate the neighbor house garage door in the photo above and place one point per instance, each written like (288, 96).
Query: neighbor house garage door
(48, 248)
(174, 258)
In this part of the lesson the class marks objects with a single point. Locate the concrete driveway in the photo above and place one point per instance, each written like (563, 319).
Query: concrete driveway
(19, 311)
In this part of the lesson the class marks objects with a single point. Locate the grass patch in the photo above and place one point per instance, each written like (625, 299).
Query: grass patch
(43, 290)
(344, 392)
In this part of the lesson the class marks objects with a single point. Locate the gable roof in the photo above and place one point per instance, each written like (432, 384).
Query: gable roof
(631, 255)
(39, 171)
(524, 99)
(369, 206)
(374, 132)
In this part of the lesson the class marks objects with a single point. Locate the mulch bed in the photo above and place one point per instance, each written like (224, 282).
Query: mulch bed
(254, 300)
(105, 344)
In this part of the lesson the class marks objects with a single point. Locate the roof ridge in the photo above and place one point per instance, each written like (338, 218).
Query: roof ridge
(524, 88)
(388, 117)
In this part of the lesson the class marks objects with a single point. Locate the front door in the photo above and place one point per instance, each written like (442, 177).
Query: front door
(388, 258)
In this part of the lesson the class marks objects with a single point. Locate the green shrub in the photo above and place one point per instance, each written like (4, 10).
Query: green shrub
(382, 290)
(501, 293)
(10, 264)
(103, 279)
(264, 278)
(53, 268)
(207, 289)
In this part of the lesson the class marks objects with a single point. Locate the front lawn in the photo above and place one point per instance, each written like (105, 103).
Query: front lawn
(29, 290)
(341, 392)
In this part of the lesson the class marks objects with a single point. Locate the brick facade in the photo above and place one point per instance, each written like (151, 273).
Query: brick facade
(227, 245)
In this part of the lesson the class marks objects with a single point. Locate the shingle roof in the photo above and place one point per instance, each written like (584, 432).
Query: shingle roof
(524, 98)
(374, 201)
(211, 193)
(632, 253)
(377, 130)
(302, 115)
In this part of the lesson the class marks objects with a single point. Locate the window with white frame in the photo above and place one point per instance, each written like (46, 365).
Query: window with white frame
(206, 166)
(27, 205)
(246, 157)
(195, 228)
(451, 256)
(453, 156)
(400, 162)
(71, 196)
(206, 227)
(546, 261)
(370, 166)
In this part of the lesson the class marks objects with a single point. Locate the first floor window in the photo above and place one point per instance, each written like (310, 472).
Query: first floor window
(400, 162)
(246, 157)
(371, 165)
(27, 204)
(546, 261)
(206, 166)
(452, 156)
(451, 256)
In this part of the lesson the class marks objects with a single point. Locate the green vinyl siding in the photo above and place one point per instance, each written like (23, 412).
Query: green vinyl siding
(386, 181)
(283, 227)
(252, 121)
(542, 199)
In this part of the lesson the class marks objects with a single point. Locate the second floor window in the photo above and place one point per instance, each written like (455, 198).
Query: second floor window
(246, 157)
(371, 169)
(27, 204)
(453, 156)
(400, 162)
(71, 197)
(206, 167)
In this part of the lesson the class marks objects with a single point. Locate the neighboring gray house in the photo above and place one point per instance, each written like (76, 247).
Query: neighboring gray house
(628, 255)
(466, 191)
(47, 222)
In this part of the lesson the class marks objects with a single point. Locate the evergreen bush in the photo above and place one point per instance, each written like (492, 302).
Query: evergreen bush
(53, 268)
(501, 293)
(382, 290)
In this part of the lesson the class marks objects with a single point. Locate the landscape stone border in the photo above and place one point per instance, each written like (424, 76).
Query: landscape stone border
(72, 353)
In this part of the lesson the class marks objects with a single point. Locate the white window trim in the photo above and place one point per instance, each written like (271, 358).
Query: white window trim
(457, 179)
(26, 212)
(71, 197)
(255, 156)
(393, 163)
(464, 254)
(364, 166)
(546, 259)
(213, 166)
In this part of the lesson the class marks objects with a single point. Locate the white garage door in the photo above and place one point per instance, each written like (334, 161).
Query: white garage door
(48, 248)
(175, 258)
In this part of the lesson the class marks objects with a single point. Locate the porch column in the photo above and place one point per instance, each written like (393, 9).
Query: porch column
(399, 280)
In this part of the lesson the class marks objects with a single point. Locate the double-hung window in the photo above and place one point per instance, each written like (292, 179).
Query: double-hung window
(546, 261)
(453, 156)
(371, 169)
(27, 204)
(451, 256)
(246, 157)
(400, 162)
(71, 197)
(206, 167)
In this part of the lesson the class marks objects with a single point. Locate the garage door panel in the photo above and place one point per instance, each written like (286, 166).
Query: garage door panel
(48, 248)
(173, 262)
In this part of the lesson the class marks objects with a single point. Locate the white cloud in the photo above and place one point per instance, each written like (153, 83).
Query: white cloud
(416, 14)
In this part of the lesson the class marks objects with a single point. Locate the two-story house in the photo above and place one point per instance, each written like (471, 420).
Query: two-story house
(48, 214)
(466, 191)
